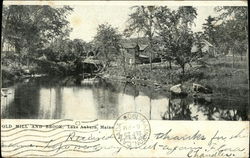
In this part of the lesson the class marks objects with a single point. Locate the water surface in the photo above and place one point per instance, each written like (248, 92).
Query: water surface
(69, 98)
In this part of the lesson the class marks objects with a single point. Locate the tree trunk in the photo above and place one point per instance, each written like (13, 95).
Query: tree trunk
(2, 43)
(233, 59)
(183, 69)
(150, 49)
(150, 105)
(170, 64)
(124, 64)
(28, 63)
(135, 59)
(150, 40)
(18, 51)
(4, 30)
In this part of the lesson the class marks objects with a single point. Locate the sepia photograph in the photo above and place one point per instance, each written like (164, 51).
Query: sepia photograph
(125, 79)
(87, 62)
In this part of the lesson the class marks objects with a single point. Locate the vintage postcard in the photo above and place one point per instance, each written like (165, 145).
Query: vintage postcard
(125, 79)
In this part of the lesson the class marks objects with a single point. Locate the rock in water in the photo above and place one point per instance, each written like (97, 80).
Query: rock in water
(177, 89)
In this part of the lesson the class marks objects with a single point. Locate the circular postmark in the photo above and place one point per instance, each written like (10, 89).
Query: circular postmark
(132, 130)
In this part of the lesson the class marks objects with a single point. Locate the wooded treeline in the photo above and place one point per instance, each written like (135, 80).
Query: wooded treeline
(42, 32)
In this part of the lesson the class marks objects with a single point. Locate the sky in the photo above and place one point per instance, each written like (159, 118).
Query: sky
(85, 19)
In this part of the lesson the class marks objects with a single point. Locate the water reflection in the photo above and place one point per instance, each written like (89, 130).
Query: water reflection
(53, 98)
(178, 109)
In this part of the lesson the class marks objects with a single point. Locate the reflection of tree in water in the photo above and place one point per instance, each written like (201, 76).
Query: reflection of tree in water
(54, 84)
(58, 103)
(178, 109)
(106, 100)
(130, 89)
(25, 104)
(231, 109)
(225, 110)
(201, 109)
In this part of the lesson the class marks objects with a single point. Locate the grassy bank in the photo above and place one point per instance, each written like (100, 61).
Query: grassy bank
(225, 77)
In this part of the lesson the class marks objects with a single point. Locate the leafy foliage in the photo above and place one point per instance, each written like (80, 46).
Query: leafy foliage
(33, 27)
(67, 50)
(210, 30)
(229, 31)
(42, 31)
(107, 40)
(174, 28)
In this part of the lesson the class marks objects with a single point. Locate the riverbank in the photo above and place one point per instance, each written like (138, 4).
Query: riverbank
(227, 79)
(9, 76)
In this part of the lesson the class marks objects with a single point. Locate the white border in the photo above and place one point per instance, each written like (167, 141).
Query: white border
(169, 3)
